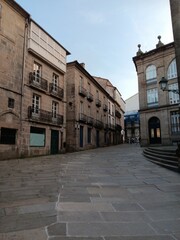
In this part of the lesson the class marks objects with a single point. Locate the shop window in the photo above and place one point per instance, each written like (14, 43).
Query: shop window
(8, 136)
(37, 137)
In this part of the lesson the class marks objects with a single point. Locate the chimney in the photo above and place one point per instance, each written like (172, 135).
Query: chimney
(83, 65)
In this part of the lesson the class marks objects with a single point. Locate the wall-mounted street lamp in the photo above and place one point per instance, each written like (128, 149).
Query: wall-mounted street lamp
(164, 86)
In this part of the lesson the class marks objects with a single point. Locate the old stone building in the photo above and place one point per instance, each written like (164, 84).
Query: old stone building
(44, 106)
(91, 120)
(119, 106)
(159, 110)
(32, 86)
(13, 24)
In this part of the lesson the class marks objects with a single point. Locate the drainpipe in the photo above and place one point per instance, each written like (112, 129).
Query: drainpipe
(22, 86)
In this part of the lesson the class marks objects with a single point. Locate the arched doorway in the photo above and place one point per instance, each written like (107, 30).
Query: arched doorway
(154, 130)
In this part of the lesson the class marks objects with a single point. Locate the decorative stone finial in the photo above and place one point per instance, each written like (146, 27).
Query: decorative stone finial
(139, 52)
(160, 44)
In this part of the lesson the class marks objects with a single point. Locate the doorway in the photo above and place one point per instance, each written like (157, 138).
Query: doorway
(154, 130)
(81, 136)
(54, 141)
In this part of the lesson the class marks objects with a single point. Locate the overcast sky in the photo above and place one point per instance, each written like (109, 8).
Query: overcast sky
(104, 34)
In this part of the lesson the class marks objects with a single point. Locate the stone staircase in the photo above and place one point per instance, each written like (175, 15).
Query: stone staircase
(163, 156)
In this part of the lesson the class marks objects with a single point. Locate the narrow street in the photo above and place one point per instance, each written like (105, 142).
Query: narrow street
(111, 193)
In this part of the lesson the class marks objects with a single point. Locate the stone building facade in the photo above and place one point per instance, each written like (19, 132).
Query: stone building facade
(91, 120)
(32, 86)
(36, 116)
(159, 110)
(13, 23)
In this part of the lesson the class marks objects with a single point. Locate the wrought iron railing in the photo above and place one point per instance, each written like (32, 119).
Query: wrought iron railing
(118, 114)
(82, 117)
(56, 91)
(89, 97)
(90, 120)
(105, 107)
(38, 82)
(98, 103)
(44, 116)
(98, 124)
(82, 91)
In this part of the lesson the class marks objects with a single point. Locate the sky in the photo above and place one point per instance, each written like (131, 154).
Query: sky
(104, 34)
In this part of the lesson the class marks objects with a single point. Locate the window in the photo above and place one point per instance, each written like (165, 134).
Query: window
(81, 81)
(37, 72)
(151, 74)
(89, 135)
(0, 15)
(175, 123)
(172, 70)
(55, 80)
(89, 111)
(89, 87)
(152, 97)
(8, 136)
(173, 97)
(10, 102)
(81, 107)
(54, 109)
(35, 104)
(37, 137)
(97, 94)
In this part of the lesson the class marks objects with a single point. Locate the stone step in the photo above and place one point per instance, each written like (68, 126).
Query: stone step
(162, 156)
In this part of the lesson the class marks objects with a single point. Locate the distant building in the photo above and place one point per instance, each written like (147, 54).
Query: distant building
(91, 112)
(159, 111)
(131, 118)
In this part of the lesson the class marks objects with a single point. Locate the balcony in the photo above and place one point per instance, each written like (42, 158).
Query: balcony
(98, 124)
(56, 91)
(82, 91)
(38, 82)
(105, 107)
(118, 127)
(39, 115)
(90, 121)
(89, 97)
(82, 117)
(111, 126)
(98, 103)
(118, 114)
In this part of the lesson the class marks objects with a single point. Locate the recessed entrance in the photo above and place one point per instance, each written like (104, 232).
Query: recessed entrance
(154, 130)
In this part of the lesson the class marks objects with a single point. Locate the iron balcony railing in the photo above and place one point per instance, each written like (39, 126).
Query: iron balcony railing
(44, 116)
(38, 82)
(98, 103)
(90, 121)
(89, 97)
(105, 107)
(56, 91)
(118, 127)
(82, 117)
(118, 114)
(98, 124)
(111, 126)
(82, 91)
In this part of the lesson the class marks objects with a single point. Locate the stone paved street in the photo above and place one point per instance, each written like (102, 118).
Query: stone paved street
(110, 193)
